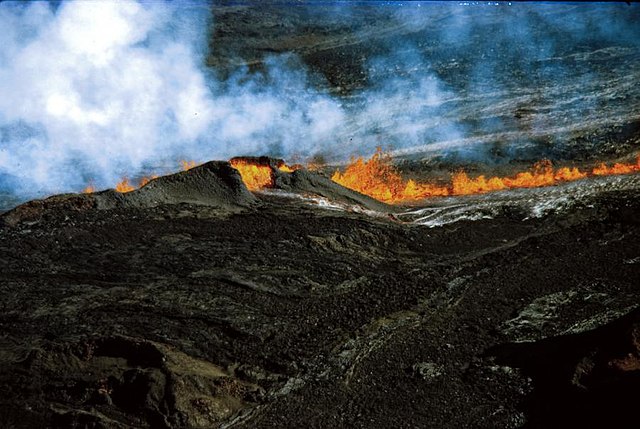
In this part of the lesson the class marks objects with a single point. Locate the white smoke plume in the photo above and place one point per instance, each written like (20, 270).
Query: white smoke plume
(95, 90)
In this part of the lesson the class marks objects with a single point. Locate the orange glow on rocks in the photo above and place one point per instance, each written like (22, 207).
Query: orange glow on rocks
(378, 178)
(188, 165)
(146, 180)
(542, 174)
(124, 186)
(617, 168)
(255, 176)
(257, 173)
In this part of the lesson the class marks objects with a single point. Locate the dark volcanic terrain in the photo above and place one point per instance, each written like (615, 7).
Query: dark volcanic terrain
(194, 303)
(272, 310)
(445, 82)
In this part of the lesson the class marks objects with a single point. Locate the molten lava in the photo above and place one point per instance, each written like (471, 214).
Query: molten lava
(543, 174)
(378, 178)
(617, 168)
(124, 186)
(188, 165)
(288, 169)
(255, 176)
(257, 173)
(146, 180)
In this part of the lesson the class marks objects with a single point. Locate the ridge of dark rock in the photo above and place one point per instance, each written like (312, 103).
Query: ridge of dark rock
(214, 183)
(305, 181)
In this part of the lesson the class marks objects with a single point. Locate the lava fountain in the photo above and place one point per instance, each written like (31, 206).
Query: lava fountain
(378, 178)
(257, 172)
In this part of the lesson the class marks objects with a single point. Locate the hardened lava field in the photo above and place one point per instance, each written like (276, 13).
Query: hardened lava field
(280, 309)
(452, 242)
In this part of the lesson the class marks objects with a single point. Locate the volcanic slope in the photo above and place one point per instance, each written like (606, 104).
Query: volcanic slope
(215, 184)
(282, 313)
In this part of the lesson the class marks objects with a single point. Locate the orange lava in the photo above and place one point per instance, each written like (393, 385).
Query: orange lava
(146, 180)
(617, 168)
(378, 178)
(89, 189)
(288, 169)
(188, 165)
(255, 176)
(258, 175)
(124, 186)
(543, 174)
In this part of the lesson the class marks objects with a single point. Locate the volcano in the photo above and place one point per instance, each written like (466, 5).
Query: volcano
(194, 302)
(443, 231)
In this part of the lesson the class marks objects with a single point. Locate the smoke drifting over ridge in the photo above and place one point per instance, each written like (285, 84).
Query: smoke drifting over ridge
(93, 89)
(96, 90)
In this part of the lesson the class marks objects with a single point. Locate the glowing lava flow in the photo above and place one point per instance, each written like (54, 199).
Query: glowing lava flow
(543, 174)
(124, 186)
(188, 165)
(255, 176)
(617, 168)
(258, 175)
(378, 178)
(146, 180)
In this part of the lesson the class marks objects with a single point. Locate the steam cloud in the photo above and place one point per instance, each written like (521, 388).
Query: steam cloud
(97, 90)
(93, 88)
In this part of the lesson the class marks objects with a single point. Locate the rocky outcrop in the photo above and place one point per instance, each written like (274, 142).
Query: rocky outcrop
(309, 182)
(214, 183)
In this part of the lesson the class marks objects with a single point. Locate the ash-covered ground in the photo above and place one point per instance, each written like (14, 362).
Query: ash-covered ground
(194, 303)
